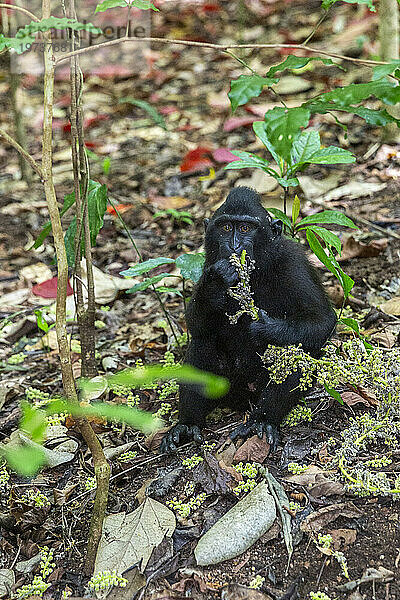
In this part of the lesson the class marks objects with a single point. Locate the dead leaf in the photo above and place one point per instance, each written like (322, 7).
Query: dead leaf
(386, 338)
(211, 477)
(392, 306)
(342, 538)
(153, 441)
(352, 398)
(319, 519)
(129, 539)
(226, 452)
(234, 591)
(353, 248)
(253, 450)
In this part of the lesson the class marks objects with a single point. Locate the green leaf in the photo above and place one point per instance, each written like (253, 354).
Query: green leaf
(295, 209)
(291, 182)
(151, 111)
(24, 460)
(110, 4)
(343, 97)
(330, 262)
(69, 242)
(247, 159)
(33, 422)
(214, 386)
(328, 216)
(169, 290)
(260, 129)
(351, 323)
(69, 201)
(283, 127)
(97, 206)
(191, 265)
(279, 214)
(146, 266)
(383, 70)
(334, 394)
(329, 238)
(41, 323)
(148, 282)
(331, 155)
(328, 3)
(372, 117)
(26, 35)
(307, 144)
(298, 62)
(142, 4)
(246, 87)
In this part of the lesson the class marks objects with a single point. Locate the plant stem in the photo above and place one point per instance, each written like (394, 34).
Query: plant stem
(23, 153)
(20, 9)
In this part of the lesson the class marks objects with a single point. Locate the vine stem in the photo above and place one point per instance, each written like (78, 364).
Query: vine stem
(22, 10)
(35, 166)
(220, 47)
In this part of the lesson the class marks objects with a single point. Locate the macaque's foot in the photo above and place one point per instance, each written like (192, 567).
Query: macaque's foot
(180, 434)
(257, 426)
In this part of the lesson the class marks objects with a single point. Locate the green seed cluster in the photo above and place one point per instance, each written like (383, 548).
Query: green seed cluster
(169, 388)
(378, 462)
(257, 582)
(35, 498)
(16, 359)
(296, 469)
(4, 476)
(294, 506)
(107, 579)
(192, 461)
(242, 291)
(127, 456)
(250, 471)
(325, 540)
(297, 415)
(54, 420)
(39, 584)
(90, 483)
(132, 399)
(35, 395)
(181, 340)
(183, 509)
(243, 487)
(164, 410)
(319, 596)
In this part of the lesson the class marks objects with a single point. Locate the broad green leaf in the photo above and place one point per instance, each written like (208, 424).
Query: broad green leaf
(33, 422)
(191, 265)
(110, 4)
(331, 155)
(298, 62)
(69, 242)
(146, 266)
(332, 392)
(346, 281)
(148, 282)
(246, 87)
(382, 70)
(24, 460)
(351, 323)
(328, 216)
(329, 238)
(69, 200)
(214, 386)
(279, 214)
(343, 97)
(283, 126)
(151, 111)
(307, 144)
(170, 290)
(371, 116)
(142, 4)
(97, 206)
(291, 182)
(41, 323)
(320, 253)
(247, 159)
(328, 3)
(295, 209)
(260, 129)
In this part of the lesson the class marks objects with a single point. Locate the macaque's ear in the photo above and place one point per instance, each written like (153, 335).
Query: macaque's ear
(206, 222)
(277, 227)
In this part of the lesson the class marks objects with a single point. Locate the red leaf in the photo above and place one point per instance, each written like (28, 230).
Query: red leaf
(121, 208)
(111, 71)
(236, 122)
(93, 121)
(196, 160)
(48, 289)
(223, 155)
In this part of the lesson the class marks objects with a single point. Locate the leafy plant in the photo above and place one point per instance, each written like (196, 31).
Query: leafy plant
(180, 216)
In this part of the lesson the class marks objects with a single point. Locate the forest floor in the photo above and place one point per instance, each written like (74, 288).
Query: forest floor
(188, 87)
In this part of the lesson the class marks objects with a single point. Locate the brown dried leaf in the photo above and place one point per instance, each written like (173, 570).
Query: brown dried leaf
(318, 520)
(211, 477)
(352, 248)
(352, 398)
(253, 450)
(343, 538)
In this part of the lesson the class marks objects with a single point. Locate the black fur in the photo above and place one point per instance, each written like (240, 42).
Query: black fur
(294, 310)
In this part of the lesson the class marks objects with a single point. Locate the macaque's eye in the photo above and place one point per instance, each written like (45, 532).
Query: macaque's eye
(227, 227)
(244, 228)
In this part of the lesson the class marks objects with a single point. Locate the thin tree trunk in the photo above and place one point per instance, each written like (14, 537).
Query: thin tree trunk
(389, 50)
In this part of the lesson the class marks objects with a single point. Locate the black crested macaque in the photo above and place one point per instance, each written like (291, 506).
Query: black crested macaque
(293, 310)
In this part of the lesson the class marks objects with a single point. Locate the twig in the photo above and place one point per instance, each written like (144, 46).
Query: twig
(23, 153)
(220, 47)
(22, 10)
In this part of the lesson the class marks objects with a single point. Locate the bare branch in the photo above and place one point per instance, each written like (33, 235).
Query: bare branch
(23, 153)
(22, 10)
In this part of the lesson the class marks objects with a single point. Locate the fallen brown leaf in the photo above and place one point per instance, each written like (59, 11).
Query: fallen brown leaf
(319, 519)
(253, 450)
(352, 248)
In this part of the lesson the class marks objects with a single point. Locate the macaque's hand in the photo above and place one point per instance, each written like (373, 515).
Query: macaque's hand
(225, 271)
